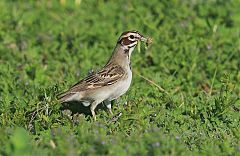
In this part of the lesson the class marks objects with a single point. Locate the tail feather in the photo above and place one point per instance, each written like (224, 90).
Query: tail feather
(63, 97)
(69, 96)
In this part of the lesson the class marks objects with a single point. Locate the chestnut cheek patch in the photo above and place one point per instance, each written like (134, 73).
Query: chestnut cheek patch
(126, 41)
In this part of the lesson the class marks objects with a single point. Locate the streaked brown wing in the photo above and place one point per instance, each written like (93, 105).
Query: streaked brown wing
(107, 76)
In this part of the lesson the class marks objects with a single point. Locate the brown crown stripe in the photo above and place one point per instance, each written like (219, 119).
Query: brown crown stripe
(126, 32)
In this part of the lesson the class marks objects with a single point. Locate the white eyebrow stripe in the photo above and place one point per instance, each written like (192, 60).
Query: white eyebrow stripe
(130, 33)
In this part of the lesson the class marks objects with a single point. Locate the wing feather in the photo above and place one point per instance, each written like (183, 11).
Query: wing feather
(109, 75)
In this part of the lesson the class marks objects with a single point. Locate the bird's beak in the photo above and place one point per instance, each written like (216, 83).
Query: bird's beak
(146, 40)
(143, 39)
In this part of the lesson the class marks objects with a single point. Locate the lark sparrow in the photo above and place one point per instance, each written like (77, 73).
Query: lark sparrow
(112, 81)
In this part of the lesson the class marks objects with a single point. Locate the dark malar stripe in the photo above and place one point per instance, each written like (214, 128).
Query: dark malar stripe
(131, 46)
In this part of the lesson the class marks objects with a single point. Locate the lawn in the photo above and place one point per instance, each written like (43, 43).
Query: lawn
(185, 94)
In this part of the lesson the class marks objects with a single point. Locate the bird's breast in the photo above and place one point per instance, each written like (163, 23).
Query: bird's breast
(122, 86)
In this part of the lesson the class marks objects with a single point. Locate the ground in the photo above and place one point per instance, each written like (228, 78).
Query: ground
(184, 98)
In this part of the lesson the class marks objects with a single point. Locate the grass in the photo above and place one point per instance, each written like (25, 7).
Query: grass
(184, 99)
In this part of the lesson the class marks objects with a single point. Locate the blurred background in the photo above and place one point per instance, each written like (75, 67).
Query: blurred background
(47, 46)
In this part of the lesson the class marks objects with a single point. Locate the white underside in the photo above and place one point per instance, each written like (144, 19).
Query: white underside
(109, 93)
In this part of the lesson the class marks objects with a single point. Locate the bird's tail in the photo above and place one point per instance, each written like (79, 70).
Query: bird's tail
(63, 97)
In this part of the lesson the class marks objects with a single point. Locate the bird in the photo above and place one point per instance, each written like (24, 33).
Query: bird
(112, 81)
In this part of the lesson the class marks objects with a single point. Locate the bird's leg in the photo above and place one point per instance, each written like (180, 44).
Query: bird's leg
(109, 106)
(92, 108)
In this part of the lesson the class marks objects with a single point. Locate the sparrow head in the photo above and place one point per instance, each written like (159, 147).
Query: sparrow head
(125, 46)
(129, 39)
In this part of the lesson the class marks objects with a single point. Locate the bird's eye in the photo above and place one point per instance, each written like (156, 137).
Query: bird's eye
(131, 36)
